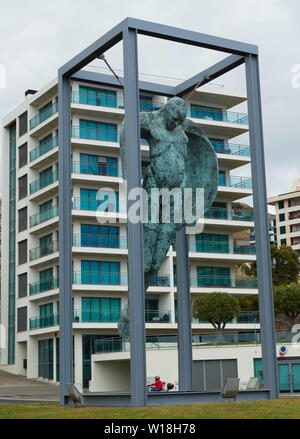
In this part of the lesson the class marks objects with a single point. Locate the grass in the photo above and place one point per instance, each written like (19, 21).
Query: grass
(284, 408)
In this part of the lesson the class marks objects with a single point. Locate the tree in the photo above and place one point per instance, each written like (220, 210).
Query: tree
(287, 301)
(285, 266)
(217, 308)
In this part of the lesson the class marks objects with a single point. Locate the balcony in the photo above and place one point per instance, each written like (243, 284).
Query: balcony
(99, 241)
(43, 216)
(95, 134)
(199, 112)
(43, 115)
(229, 214)
(221, 247)
(160, 281)
(80, 203)
(37, 185)
(96, 315)
(96, 169)
(235, 182)
(158, 316)
(222, 282)
(46, 250)
(42, 286)
(245, 317)
(42, 149)
(232, 149)
(96, 278)
(43, 322)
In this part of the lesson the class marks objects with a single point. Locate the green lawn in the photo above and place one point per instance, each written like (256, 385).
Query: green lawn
(285, 408)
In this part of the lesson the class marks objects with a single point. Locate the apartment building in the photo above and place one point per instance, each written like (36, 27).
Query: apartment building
(30, 283)
(287, 207)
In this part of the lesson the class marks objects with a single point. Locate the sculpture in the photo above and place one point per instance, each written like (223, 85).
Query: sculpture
(181, 156)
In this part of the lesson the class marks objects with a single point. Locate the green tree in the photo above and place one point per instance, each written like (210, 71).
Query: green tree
(217, 308)
(287, 301)
(285, 266)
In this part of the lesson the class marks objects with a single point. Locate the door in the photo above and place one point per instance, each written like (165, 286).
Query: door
(296, 377)
(284, 377)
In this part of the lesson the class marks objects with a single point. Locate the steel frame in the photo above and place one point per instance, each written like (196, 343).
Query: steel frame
(241, 53)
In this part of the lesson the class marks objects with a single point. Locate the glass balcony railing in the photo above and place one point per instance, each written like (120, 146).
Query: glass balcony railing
(43, 322)
(235, 182)
(45, 215)
(220, 247)
(157, 316)
(43, 148)
(155, 342)
(96, 278)
(229, 214)
(104, 241)
(97, 315)
(40, 252)
(96, 169)
(199, 112)
(232, 149)
(244, 317)
(45, 285)
(221, 282)
(102, 134)
(37, 185)
(160, 281)
(43, 115)
(81, 203)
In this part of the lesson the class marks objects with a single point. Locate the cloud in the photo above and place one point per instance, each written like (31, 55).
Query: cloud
(38, 37)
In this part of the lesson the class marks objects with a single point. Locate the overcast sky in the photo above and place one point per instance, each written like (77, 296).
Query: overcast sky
(38, 37)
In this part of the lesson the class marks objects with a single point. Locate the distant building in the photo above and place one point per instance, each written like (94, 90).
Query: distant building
(288, 217)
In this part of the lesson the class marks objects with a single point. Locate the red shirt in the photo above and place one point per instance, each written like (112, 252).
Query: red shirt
(158, 384)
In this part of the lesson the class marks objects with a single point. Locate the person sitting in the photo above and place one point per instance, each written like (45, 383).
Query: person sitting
(157, 386)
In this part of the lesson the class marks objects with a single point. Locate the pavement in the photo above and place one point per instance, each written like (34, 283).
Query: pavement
(17, 388)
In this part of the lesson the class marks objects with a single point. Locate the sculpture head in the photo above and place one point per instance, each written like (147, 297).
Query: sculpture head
(174, 111)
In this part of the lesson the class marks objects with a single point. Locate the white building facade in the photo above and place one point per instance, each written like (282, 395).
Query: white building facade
(30, 237)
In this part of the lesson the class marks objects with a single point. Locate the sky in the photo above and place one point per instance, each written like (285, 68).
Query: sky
(36, 38)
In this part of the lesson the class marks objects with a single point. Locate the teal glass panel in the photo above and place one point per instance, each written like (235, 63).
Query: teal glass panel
(296, 377)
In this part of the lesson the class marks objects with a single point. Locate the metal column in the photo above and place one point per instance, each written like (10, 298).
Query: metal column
(136, 286)
(264, 272)
(184, 313)
(65, 237)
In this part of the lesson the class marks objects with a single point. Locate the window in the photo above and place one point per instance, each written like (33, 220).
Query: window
(282, 230)
(212, 243)
(46, 315)
(151, 309)
(22, 319)
(46, 280)
(283, 241)
(96, 309)
(46, 210)
(22, 247)
(222, 178)
(23, 155)
(99, 236)
(281, 205)
(22, 285)
(98, 165)
(106, 202)
(46, 245)
(213, 276)
(45, 369)
(219, 145)
(46, 177)
(281, 217)
(145, 103)
(23, 124)
(218, 210)
(95, 96)
(100, 273)
(98, 131)
(22, 219)
(203, 112)
(23, 187)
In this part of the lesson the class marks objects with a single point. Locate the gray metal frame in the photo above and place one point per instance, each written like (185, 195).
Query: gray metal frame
(241, 53)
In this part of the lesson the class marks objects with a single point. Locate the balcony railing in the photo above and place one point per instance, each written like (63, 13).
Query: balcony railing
(220, 247)
(160, 281)
(101, 134)
(96, 278)
(43, 216)
(43, 148)
(80, 203)
(229, 214)
(232, 149)
(222, 282)
(218, 115)
(45, 285)
(96, 169)
(43, 182)
(244, 317)
(96, 315)
(236, 182)
(158, 316)
(43, 322)
(100, 241)
(43, 115)
(40, 252)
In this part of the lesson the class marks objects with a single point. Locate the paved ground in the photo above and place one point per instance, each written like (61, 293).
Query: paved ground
(18, 388)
